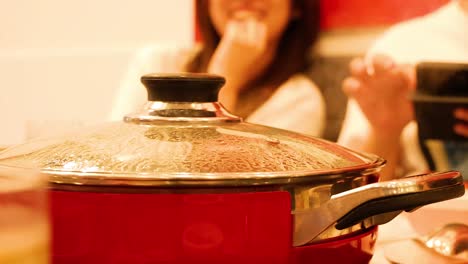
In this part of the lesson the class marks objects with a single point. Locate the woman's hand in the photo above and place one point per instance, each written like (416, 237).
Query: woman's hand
(461, 128)
(238, 55)
(382, 88)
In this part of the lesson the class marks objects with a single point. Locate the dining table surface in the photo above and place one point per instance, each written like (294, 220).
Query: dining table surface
(397, 238)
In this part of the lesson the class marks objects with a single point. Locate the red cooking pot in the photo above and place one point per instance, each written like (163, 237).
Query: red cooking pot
(184, 181)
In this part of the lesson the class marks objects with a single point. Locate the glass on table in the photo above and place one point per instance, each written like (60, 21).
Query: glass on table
(24, 221)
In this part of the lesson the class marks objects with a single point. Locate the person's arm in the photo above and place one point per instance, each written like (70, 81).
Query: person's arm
(379, 108)
(358, 134)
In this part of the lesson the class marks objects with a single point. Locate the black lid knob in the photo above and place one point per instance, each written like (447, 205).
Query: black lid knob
(183, 87)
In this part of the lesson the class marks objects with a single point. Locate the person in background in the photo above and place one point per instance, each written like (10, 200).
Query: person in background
(260, 47)
(379, 117)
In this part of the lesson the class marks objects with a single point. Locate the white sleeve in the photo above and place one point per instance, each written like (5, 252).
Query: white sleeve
(398, 42)
(355, 127)
(131, 94)
(297, 105)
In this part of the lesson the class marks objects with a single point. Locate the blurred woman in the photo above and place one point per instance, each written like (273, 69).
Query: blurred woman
(261, 47)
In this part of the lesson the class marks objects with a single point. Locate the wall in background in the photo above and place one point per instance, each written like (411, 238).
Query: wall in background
(62, 60)
(338, 14)
(350, 26)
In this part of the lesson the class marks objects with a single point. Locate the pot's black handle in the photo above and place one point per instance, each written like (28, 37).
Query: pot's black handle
(404, 202)
(183, 87)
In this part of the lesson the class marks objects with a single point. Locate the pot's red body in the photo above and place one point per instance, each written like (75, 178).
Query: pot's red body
(124, 228)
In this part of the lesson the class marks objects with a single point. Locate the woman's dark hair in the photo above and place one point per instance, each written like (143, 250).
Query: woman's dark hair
(293, 49)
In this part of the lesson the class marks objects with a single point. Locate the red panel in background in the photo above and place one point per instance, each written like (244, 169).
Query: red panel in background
(368, 13)
(338, 14)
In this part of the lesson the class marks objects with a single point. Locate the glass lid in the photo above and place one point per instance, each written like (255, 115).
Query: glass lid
(183, 136)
